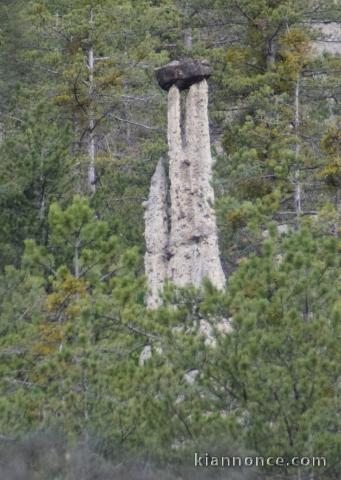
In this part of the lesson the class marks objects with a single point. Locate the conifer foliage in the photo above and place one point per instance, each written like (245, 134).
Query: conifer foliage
(87, 373)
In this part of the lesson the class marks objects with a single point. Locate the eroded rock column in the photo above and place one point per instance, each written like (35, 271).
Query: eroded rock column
(180, 247)
(156, 236)
(206, 261)
(189, 252)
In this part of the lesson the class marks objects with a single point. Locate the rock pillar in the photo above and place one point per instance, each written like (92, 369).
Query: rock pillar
(189, 251)
(156, 236)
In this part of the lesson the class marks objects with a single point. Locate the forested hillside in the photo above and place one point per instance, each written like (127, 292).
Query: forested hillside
(93, 384)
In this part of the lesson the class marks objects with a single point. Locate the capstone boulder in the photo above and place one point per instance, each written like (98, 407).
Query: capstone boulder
(183, 73)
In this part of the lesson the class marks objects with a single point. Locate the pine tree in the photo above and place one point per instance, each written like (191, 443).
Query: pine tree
(82, 296)
(277, 370)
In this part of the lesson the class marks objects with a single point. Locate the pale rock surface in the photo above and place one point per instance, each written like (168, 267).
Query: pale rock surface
(145, 355)
(156, 235)
(204, 236)
(329, 38)
(181, 250)
(193, 246)
(224, 327)
(148, 352)
(281, 230)
(189, 252)
(191, 376)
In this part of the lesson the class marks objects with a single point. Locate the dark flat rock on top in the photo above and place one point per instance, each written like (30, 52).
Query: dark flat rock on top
(182, 73)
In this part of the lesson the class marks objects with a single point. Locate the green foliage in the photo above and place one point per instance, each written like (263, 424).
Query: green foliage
(252, 369)
(281, 360)
(275, 372)
(35, 162)
(91, 289)
(271, 140)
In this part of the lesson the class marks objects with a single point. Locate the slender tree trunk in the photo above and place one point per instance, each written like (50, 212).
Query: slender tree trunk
(91, 144)
(187, 35)
(337, 208)
(271, 54)
(297, 182)
(188, 39)
(76, 259)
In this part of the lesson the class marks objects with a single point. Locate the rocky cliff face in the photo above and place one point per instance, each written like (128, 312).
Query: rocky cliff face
(328, 38)
(189, 252)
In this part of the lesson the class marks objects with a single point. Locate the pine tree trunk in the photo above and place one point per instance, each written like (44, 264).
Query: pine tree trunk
(91, 144)
(297, 182)
(271, 54)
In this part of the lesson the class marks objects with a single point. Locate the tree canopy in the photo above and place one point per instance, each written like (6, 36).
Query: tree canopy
(86, 369)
